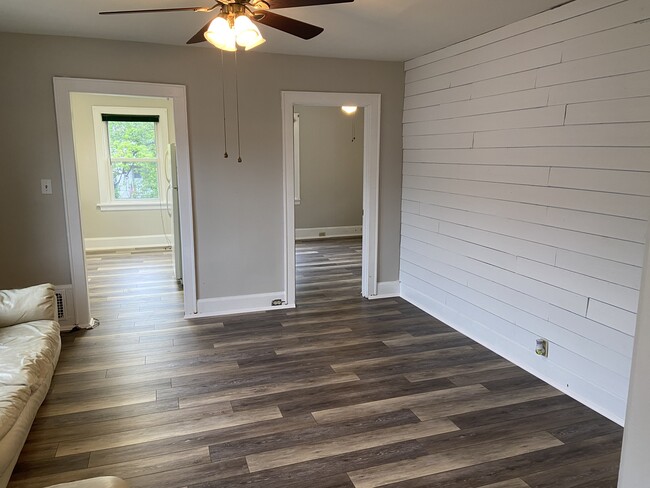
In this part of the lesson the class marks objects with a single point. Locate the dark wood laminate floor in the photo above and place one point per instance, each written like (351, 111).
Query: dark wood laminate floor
(340, 392)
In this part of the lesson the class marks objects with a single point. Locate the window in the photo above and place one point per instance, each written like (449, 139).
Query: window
(131, 146)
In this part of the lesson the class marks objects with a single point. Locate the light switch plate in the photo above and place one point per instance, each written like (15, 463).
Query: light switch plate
(46, 187)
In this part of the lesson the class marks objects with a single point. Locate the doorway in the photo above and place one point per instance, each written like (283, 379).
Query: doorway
(64, 89)
(371, 123)
(126, 174)
(328, 182)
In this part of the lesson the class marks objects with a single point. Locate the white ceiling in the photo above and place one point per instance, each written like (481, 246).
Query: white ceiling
(394, 30)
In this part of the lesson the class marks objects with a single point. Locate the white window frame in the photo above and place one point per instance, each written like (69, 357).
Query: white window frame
(107, 202)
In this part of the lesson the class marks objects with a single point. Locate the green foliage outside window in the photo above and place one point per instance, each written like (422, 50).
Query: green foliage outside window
(130, 141)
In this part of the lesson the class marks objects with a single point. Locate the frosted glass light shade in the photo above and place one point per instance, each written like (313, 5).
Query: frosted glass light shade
(247, 34)
(220, 35)
(349, 109)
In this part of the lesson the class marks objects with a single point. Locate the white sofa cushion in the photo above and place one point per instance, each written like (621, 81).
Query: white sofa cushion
(28, 355)
(26, 304)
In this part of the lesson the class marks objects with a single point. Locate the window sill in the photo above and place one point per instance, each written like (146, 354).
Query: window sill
(130, 206)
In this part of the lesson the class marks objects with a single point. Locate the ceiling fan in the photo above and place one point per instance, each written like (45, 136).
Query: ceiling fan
(256, 10)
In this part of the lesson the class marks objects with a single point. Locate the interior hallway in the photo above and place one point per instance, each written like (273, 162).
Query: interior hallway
(339, 392)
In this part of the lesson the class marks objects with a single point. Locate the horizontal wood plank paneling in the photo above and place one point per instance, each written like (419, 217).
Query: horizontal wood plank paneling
(612, 40)
(535, 228)
(609, 88)
(512, 31)
(582, 26)
(630, 110)
(630, 61)
(541, 117)
(488, 105)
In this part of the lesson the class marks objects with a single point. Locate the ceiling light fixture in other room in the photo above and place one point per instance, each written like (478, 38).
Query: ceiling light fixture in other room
(349, 109)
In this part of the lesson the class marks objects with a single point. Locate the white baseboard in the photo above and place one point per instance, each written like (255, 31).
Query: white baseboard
(212, 307)
(511, 351)
(327, 232)
(386, 289)
(127, 242)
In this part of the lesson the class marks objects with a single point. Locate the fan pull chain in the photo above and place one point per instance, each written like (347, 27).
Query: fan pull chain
(223, 103)
(239, 160)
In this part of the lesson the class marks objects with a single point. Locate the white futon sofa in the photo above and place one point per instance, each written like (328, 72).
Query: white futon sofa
(29, 350)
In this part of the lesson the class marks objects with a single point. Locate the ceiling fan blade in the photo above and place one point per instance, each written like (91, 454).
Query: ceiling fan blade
(152, 10)
(199, 37)
(286, 24)
(301, 3)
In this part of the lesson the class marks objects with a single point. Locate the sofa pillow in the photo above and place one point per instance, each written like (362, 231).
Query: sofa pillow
(26, 305)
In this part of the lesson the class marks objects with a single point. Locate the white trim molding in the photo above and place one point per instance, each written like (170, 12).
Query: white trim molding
(372, 117)
(63, 87)
(329, 232)
(386, 289)
(127, 242)
(213, 307)
(122, 206)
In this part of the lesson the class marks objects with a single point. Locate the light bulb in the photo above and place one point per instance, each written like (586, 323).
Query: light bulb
(220, 35)
(247, 34)
(349, 109)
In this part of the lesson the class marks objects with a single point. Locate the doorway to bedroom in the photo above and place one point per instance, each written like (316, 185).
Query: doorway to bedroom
(328, 188)
(371, 108)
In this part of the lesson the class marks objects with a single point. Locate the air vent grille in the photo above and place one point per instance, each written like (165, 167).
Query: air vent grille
(60, 305)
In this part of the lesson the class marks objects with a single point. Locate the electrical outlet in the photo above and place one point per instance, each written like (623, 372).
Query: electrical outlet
(46, 187)
(541, 347)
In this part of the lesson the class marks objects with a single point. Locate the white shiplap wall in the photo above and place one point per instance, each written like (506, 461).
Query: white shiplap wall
(526, 191)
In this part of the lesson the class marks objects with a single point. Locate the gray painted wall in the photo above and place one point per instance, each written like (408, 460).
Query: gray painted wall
(96, 223)
(238, 207)
(331, 168)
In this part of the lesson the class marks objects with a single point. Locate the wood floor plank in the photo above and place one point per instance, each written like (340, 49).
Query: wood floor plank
(309, 434)
(515, 483)
(345, 444)
(459, 369)
(396, 403)
(209, 438)
(266, 389)
(490, 400)
(136, 436)
(112, 426)
(50, 409)
(360, 364)
(450, 460)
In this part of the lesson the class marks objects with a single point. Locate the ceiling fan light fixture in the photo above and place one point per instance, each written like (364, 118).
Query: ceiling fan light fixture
(349, 109)
(220, 35)
(247, 34)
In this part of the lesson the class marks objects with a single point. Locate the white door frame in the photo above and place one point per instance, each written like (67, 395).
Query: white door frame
(372, 116)
(63, 87)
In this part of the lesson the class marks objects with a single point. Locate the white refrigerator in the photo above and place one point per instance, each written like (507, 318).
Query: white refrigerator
(172, 182)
